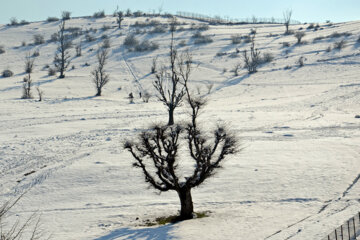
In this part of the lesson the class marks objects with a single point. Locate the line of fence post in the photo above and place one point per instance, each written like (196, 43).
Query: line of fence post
(342, 230)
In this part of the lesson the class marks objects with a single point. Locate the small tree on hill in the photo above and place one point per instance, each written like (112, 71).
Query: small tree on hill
(287, 18)
(119, 18)
(100, 77)
(252, 60)
(29, 65)
(170, 90)
(62, 56)
(299, 35)
(159, 148)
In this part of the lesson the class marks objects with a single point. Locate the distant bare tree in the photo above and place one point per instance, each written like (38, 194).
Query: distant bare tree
(287, 18)
(65, 15)
(153, 66)
(62, 56)
(119, 18)
(252, 60)
(78, 49)
(299, 35)
(209, 87)
(40, 93)
(100, 77)
(29, 65)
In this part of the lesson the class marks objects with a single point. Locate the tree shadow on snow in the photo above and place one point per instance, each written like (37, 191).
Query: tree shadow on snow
(158, 233)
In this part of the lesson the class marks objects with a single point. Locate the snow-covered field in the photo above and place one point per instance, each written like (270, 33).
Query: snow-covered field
(294, 179)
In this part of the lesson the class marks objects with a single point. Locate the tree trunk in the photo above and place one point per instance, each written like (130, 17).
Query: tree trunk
(98, 92)
(187, 208)
(171, 116)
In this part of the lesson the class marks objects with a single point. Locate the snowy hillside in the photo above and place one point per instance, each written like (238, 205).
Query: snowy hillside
(294, 179)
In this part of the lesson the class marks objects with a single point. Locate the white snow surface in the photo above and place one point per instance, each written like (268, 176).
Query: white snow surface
(294, 178)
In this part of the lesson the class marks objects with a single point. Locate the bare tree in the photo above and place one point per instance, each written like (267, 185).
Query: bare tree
(62, 56)
(154, 63)
(159, 147)
(78, 49)
(40, 93)
(16, 231)
(299, 35)
(100, 77)
(209, 86)
(119, 18)
(252, 60)
(287, 18)
(29, 65)
(170, 90)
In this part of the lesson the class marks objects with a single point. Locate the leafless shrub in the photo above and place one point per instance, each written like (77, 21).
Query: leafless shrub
(299, 35)
(138, 13)
(285, 44)
(78, 49)
(236, 39)
(236, 69)
(252, 60)
(253, 31)
(13, 21)
(247, 38)
(106, 43)
(23, 43)
(7, 73)
(182, 43)
(2, 50)
(105, 27)
(328, 49)
(99, 14)
(51, 72)
(131, 98)
(30, 226)
(267, 57)
(340, 44)
(36, 53)
(201, 39)
(40, 93)
(38, 39)
(146, 96)
(159, 29)
(153, 66)
(130, 41)
(337, 35)
(300, 61)
(54, 37)
(220, 54)
(146, 46)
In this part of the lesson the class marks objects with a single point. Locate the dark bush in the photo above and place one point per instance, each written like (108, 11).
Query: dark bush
(7, 73)
(201, 39)
(267, 57)
(36, 53)
(100, 14)
(89, 38)
(2, 50)
(130, 41)
(146, 46)
(13, 21)
(54, 37)
(38, 39)
(159, 29)
(52, 19)
(339, 45)
(65, 15)
(51, 71)
(236, 39)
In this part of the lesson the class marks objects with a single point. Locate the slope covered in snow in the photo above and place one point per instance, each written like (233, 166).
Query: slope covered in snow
(294, 179)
